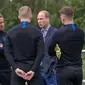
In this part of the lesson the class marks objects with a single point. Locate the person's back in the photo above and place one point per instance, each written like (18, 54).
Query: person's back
(24, 41)
(71, 43)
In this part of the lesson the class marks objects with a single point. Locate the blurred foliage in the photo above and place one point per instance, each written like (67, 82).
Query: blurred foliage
(9, 8)
(79, 7)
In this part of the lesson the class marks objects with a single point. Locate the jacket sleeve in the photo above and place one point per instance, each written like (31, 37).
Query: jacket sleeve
(51, 44)
(8, 52)
(40, 53)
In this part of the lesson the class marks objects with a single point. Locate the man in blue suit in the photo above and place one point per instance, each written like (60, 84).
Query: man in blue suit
(48, 74)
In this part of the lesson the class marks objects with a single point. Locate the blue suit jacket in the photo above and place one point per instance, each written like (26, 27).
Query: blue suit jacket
(48, 62)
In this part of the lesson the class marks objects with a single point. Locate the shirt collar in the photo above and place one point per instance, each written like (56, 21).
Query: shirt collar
(46, 28)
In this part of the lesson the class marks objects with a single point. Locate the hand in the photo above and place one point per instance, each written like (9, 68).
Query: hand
(29, 75)
(20, 73)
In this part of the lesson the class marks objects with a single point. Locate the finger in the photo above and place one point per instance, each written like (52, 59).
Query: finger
(30, 77)
(27, 74)
(26, 78)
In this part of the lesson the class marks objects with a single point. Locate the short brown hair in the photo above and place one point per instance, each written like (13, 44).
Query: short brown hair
(46, 13)
(67, 11)
(24, 11)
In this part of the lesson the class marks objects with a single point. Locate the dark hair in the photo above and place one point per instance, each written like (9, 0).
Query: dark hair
(67, 11)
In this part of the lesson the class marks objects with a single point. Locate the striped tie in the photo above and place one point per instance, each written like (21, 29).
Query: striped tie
(44, 34)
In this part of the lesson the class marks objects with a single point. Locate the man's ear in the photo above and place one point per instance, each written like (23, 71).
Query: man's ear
(63, 18)
(18, 16)
(30, 16)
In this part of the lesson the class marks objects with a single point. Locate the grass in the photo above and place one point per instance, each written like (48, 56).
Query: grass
(83, 84)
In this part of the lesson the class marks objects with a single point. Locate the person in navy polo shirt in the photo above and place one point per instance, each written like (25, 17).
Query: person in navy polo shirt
(5, 70)
(24, 49)
(70, 40)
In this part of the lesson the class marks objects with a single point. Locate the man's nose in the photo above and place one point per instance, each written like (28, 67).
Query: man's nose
(1, 25)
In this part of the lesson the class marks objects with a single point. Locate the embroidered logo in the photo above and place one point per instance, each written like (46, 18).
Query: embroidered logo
(58, 51)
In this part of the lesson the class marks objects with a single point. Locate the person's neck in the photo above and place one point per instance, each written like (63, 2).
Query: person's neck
(69, 22)
(26, 20)
(46, 27)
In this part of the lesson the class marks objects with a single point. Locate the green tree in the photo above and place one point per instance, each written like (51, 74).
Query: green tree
(79, 10)
(10, 10)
